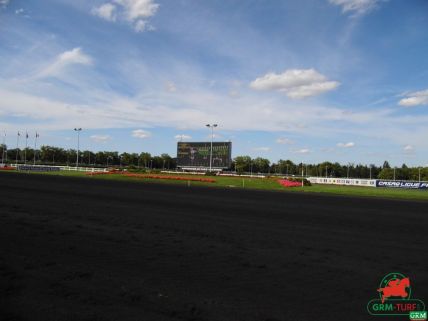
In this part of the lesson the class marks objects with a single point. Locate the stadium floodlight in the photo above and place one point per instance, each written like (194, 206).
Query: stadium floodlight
(212, 137)
(26, 146)
(35, 146)
(17, 148)
(78, 130)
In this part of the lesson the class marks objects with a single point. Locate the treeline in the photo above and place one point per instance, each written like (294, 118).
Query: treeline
(245, 164)
(58, 156)
(241, 164)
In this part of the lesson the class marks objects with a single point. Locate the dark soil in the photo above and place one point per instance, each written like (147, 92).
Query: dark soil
(89, 249)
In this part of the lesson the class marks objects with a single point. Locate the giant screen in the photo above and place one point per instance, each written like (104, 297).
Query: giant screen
(198, 154)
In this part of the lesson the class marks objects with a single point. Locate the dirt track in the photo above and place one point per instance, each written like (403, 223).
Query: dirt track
(88, 249)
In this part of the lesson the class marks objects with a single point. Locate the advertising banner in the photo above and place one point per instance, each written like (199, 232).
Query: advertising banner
(38, 168)
(402, 184)
(198, 154)
(343, 181)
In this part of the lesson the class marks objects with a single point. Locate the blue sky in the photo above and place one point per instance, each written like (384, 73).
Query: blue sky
(309, 80)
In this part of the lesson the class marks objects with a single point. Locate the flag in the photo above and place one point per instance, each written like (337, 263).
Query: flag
(26, 134)
(19, 134)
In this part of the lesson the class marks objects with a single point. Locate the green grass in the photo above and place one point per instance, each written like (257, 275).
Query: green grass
(267, 184)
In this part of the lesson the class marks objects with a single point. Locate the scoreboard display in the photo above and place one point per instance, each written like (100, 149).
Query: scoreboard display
(198, 154)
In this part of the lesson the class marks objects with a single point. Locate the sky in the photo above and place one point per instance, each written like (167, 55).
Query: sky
(307, 80)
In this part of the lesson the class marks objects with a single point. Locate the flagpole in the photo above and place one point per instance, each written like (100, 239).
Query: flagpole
(35, 146)
(26, 146)
(17, 148)
(5, 154)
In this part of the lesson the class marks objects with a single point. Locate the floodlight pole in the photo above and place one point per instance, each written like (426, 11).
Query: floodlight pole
(78, 130)
(17, 147)
(26, 146)
(35, 146)
(212, 137)
(302, 174)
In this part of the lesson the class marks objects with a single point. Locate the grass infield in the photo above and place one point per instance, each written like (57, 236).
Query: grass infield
(261, 184)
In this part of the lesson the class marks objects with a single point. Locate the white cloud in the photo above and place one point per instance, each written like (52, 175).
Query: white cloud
(170, 87)
(141, 133)
(408, 149)
(214, 136)
(346, 145)
(135, 12)
(137, 9)
(295, 83)
(4, 3)
(302, 151)
(74, 56)
(358, 7)
(284, 141)
(234, 93)
(415, 99)
(106, 11)
(182, 137)
(262, 149)
(140, 26)
(100, 138)
(19, 11)
(48, 105)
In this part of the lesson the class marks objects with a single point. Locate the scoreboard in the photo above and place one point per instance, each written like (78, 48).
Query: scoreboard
(198, 154)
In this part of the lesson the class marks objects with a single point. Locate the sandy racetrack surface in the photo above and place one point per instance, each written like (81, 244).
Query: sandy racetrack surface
(88, 249)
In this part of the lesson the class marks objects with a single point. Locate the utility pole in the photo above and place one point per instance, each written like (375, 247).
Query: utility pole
(35, 146)
(25, 150)
(212, 137)
(17, 148)
(78, 130)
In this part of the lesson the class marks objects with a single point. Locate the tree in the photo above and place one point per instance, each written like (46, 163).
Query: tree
(286, 167)
(145, 159)
(242, 164)
(261, 165)
(168, 161)
(3, 152)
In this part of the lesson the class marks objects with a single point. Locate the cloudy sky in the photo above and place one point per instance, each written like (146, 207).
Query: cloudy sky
(311, 80)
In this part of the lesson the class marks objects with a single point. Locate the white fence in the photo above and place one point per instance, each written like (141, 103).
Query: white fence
(343, 181)
(82, 169)
(68, 168)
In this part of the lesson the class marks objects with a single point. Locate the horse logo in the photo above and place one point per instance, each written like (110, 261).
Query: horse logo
(395, 287)
(395, 299)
